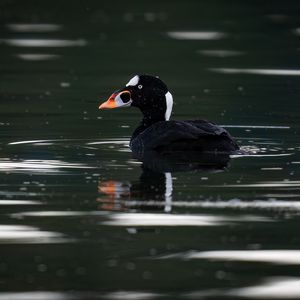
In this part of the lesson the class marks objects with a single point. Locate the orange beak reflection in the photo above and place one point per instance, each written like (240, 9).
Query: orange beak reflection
(117, 100)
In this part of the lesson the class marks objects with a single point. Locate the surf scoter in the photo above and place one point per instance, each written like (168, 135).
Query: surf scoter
(156, 131)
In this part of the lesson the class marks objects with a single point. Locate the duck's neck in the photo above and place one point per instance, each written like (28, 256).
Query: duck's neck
(149, 119)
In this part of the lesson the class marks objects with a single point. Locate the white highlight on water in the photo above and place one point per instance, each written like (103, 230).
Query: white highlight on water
(231, 204)
(169, 104)
(28, 142)
(19, 202)
(77, 295)
(168, 192)
(44, 42)
(27, 234)
(41, 166)
(20, 27)
(220, 53)
(272, 288)
(196, 35)
(277, 72)
(37, 57)
(133, 81)
(152, 219)
(265, 256)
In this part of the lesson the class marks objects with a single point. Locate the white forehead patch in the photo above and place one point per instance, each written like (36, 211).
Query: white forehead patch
(169, 103)
(133, 81)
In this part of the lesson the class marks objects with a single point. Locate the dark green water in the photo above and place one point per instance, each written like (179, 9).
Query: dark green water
(81, 218)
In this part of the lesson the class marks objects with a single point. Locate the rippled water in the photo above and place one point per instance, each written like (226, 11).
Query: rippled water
(81, 218)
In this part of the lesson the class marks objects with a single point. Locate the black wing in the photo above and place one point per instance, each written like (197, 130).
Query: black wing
(199, 135)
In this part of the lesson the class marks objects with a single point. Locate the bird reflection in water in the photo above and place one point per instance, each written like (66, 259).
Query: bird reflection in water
(153, 190)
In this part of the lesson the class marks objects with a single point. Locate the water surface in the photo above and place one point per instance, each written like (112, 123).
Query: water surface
(81, 218)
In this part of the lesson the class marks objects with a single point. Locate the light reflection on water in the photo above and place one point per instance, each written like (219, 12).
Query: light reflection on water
(263, 256)
(48, 295)
(19, 202)
(39, 166)
(272, 288)
(37, 56)
(44, 42)
(27, 235)
(34, 27)
(220, 53)
(271, 72)
(133, 220)
(155, 202)
(196, 35)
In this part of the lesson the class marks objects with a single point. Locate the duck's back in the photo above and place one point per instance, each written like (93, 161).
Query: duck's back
(196, 135)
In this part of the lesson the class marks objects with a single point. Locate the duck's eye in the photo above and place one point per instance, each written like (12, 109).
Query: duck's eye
(140, 86)
(125, 97)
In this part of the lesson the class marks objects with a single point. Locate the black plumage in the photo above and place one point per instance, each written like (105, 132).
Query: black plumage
(197, 135)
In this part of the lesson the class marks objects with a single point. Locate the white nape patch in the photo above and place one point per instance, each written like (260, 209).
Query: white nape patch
(169, 103)
(133, 81)
(168, 192)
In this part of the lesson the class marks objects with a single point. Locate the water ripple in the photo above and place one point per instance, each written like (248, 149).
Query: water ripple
(148, 219)
(28, 234)
(44, 42)
(196, 35)
(19, 202)
(277, 72)
(18, 27)
(39, 166)
(264, 256)
(271, 288)
(37, 56)
(232, 204)
(79, 295)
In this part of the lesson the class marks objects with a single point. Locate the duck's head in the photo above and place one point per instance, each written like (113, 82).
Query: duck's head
(148, 93)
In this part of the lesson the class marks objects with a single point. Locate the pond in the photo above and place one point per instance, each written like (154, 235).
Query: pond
(81, 218)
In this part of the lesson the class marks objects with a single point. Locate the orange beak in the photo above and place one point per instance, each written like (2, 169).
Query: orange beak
(110, 103)
(119, 99)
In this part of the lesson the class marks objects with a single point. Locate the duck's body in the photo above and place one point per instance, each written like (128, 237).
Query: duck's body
(156, 132)
(170, 136)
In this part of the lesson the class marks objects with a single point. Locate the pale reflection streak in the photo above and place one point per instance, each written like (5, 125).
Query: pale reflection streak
(288, 183)
(265, 256)
(19, 202)
(29, 142)
(43, 42)
(39, 165)
(27, 234)
(196, 35)
(272, 288)
(57, 213)
(148, 219)
(37, 57)
(117, 142)
(40, 295)
(18, 27)
(107, 141)
(131, 295)
(62, 295)
(277, 72)
(232, 204)
(220, 53)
